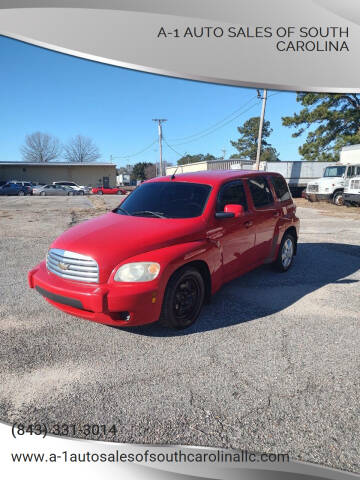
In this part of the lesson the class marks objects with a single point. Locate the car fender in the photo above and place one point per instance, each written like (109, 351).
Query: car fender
(173, 257)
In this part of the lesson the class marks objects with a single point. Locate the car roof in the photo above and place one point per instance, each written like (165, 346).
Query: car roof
(211, 177)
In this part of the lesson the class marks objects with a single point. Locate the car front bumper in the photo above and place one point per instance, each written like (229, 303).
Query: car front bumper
(318, 197)
(107, 303)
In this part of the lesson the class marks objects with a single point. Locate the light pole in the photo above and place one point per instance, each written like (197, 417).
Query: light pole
(257, 163)
(160, 121)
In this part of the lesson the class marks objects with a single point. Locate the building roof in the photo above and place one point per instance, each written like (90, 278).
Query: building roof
(57, 164)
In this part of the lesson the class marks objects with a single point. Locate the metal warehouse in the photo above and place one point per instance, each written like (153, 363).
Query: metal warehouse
(91, 174)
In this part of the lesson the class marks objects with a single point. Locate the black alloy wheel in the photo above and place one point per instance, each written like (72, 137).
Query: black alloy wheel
(184, 298)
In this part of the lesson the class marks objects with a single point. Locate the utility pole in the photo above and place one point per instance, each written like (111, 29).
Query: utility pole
(257, 164)
(160, 121)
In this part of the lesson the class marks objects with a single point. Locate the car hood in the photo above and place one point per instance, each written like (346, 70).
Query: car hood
(112, 238)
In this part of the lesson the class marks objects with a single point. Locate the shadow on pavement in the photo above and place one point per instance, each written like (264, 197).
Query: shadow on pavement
(264, 291)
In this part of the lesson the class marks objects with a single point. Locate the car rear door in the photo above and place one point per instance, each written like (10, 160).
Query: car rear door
(237, 234)
(267, 213)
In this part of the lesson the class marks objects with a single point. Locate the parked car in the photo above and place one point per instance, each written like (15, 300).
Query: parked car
(81, 189)
(109, 191)
(51, 190)
(170, 245)
(11, 188)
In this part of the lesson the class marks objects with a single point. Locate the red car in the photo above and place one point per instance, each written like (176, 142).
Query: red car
(108, 191)
(172, 243)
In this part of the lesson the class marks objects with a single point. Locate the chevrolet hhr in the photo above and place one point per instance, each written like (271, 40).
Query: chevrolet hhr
(171, 244)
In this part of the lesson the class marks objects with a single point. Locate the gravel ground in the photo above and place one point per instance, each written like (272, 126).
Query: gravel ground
(272, 365)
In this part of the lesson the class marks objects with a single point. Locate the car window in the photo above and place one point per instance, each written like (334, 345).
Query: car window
(281, 188)
(353, 171)
(260, 191)
(232, 193)
(168, 199)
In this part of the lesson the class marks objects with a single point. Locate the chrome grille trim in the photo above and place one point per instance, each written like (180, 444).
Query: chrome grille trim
(79, 267)
(312, 188)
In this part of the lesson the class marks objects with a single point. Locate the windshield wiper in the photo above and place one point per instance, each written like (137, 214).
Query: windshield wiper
(123, 210)
(149, 212)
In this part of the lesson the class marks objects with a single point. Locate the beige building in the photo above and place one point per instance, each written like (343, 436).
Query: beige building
(234, 163)
(90, 174)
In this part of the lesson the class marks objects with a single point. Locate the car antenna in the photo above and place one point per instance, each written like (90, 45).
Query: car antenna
(173, 175)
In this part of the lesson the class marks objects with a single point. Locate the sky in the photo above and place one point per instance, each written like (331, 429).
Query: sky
(42, 90)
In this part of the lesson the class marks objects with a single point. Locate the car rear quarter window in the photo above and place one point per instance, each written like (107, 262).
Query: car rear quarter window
(260, 191)
(232, 193)
(281, 188)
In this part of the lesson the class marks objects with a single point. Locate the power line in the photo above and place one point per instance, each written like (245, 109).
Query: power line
(137, 153)
(215, 124)
(173, 149)
(223, 125)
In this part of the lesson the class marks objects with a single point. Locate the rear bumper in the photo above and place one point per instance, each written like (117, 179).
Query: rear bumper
(103, 303)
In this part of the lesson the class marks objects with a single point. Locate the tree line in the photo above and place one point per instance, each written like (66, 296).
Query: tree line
(332, 121)
(41, 147)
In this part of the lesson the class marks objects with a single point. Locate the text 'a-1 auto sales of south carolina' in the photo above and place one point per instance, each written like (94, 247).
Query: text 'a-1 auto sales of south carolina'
(289, 38)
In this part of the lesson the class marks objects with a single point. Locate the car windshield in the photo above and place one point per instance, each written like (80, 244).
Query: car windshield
(166, 200)
(334, 171)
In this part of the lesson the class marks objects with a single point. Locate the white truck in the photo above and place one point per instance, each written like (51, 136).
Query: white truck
(352, 192)
(330, 187)
(297, 174)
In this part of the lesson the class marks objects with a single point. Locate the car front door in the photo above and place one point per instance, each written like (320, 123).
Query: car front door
(59, 190)
(267, 214)
(12, 189)
(50, 190)
(237, 234)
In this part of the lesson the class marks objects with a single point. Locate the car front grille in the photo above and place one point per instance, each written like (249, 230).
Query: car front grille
(313, 188)
(72, 266)
(355, 184)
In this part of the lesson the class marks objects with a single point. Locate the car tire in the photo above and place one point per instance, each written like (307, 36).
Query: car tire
(21, 193)
(81, 192)
(183, 299)
(338, 199)
(286, 253)
(100, 192)
(119, 192)
(42, 194)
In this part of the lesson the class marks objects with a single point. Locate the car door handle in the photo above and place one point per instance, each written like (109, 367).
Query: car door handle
(248, 224)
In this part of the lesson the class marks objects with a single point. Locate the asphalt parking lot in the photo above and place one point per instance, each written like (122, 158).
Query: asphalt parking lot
(272, 365)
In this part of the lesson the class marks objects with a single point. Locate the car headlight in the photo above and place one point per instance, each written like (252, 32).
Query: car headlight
(137, 272)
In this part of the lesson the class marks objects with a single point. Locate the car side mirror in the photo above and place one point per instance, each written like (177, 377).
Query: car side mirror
(237, 210)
